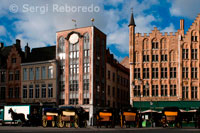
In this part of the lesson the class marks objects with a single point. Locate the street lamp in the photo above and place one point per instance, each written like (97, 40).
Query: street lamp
(140, 94)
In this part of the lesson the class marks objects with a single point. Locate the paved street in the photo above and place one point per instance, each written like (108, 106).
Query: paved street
(13, 129)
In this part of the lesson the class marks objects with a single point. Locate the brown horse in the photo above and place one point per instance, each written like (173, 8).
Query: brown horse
(16, 116)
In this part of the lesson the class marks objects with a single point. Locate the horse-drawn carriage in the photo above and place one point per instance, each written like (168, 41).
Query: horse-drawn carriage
(128, 116)
(171, 116)
(105, 117)
(71, 116)
(49, 116)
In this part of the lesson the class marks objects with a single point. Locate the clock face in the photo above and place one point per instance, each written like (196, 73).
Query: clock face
(73, 38)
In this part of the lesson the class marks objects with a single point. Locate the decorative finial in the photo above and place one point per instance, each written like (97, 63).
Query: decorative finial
(74, 22)
(131, 9)
(92, 19)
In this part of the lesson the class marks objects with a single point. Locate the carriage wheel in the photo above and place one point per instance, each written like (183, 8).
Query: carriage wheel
(85, 123)
(76, 121)
(44, 121)
(53, 123)
(60, 123)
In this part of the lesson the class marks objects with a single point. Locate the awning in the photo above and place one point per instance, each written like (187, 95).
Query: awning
(159, 105)
(149, 111)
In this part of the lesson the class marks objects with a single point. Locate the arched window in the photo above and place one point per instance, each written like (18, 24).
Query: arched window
(145, 44)
(154, 44)
(163, 44)
(172, 56)
(137, 57)
(61, 45)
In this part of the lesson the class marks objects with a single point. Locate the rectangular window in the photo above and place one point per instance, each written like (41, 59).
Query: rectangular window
(37, 73)
(154, 90)
(164, 72)
(185, 72)
(154, 73)
(86, 53)
(145, 91)
(108, 90)
(16, 92)
(43, 72)
(194, 72)
(194, 54)
(43, 91)
(50, 90)
(145, 58)
(86, 101)
(17, 75)
(108, 74)
(86, 67)
(10, 93)
(137, 73)
(24, 74)
(3, 76)
(113, 77)
(37, 91)
(185, 54)
(172, 90)
(172, 72)
(137, 91)
(154, 45)
(13, 60)
(164, 57)
(184, 92)
(24, 91)
(154, 58)
(31, 74)
(194, 92)
(30, 91)
(113, 91)
(10, 76)
(2, 93)
(146, 73)
(50, 72)
(163, 90)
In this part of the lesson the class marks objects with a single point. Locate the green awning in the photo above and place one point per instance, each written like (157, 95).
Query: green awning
(159, 105)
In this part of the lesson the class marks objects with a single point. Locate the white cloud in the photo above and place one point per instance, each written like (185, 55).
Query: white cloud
(185, 8)
(40, 29)
(2, 30)
(170, 28)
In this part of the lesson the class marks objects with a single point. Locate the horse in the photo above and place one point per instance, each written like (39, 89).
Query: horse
(16, 116)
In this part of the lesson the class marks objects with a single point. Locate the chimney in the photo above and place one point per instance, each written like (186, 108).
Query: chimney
(27, 51)
(182, 24)
(18, 43)
(1, 45)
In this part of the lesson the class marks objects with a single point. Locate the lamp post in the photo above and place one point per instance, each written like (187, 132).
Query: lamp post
(140, 94)
(151, 103)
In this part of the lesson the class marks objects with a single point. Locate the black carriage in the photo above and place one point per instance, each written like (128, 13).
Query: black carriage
(105, 117)
(49, 117)
(128, 117)
(71, 116)
(34, 119)
(171, 116)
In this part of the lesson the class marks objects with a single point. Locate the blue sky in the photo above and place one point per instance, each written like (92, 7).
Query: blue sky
(38, 27)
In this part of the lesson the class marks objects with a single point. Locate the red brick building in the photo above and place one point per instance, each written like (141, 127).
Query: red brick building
(165, 67)
(13, 85)
(81, 57)
(4, 51)
(117, 83)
